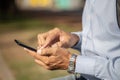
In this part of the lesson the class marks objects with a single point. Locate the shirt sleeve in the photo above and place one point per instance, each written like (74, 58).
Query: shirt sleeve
(78, 45)
(100, 67)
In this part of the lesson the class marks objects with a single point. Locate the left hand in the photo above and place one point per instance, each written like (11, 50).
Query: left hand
(52, 58)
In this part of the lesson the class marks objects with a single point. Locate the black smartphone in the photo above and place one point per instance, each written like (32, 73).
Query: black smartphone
(25, 46)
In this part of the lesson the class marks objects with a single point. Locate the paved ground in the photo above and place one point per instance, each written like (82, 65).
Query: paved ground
(5, 73)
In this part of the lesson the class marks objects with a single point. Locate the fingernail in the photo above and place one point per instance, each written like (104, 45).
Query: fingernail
(25, 49)
(42, 47)
(39, 51)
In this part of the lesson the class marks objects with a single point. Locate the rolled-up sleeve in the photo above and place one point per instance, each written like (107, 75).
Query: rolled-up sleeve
(102, 68)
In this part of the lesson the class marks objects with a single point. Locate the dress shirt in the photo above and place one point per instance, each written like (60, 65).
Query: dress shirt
(99, 41)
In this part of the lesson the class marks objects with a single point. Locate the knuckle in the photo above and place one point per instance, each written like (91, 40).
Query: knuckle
(48, 68)
(41, 35)
(47, 62)
(43, 52)
(34, 55)
(60, 44)
(36, 61)
(38, 35)
(56, 29)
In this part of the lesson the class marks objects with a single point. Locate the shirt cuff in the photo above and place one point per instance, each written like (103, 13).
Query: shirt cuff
(85, 65)
(78, 45)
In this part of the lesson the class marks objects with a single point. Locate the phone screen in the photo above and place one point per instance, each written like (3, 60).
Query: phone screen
(25, 46)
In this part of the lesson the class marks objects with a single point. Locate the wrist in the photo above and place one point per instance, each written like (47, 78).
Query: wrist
(75, 39)
(72, 63)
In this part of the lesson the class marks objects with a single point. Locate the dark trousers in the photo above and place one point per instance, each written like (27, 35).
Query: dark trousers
(81, 78)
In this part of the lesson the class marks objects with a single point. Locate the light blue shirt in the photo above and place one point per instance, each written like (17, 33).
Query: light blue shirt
(99, 42)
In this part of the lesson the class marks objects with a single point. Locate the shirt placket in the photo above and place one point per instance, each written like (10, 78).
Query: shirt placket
(87, 29)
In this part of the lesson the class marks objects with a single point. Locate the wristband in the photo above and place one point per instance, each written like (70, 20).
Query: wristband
(71, 67)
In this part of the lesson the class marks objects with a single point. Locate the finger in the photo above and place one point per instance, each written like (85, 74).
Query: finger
(39, 50)
(48, 41)
(36, 56)
(41, 63)
(60, 44)
(56, 65)
(57, 44)
(63, 44)
(51, 39)
(32, 53)
(48, 51)
(41, 39)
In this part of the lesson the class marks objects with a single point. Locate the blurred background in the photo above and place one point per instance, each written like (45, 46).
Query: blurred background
(23, 20)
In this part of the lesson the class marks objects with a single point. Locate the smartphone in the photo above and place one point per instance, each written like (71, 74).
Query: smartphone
(25, 46)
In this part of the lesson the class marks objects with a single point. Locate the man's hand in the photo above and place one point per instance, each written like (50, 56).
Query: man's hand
(52, 58)
(57, 38)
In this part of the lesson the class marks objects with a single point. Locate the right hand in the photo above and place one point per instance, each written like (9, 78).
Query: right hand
(57, 38)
